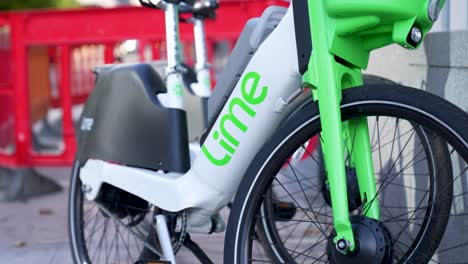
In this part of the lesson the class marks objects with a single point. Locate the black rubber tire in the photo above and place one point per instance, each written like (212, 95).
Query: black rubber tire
(434, 112)
(75, 232)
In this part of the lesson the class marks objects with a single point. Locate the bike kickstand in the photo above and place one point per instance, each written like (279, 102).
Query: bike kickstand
(196, 250)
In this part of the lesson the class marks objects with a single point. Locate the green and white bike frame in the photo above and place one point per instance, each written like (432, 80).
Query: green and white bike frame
(342, 34)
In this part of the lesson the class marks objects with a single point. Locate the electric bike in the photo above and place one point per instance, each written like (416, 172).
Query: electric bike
(375, 172)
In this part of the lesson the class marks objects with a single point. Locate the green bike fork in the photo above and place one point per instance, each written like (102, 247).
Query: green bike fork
(323, 75)
(343, 33)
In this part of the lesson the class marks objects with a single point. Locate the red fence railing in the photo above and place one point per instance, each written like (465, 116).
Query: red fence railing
(69, 44)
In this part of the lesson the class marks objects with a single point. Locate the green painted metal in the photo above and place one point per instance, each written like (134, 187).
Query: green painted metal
(322, 72)
(359, 147)
(361, 26)
(344, 32)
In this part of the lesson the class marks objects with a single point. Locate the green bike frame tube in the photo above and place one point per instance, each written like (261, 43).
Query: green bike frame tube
(343, 33)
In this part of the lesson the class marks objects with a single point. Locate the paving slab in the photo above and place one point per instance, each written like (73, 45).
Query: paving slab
(35, 231)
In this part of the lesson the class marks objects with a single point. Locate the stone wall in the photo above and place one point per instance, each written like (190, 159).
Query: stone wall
(440, 66)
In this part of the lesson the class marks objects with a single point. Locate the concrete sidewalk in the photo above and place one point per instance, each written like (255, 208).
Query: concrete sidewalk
(35, 231)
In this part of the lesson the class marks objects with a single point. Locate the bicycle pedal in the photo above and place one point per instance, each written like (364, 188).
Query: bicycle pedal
(152, 262)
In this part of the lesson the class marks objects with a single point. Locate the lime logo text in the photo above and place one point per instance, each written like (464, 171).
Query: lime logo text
(222, 135)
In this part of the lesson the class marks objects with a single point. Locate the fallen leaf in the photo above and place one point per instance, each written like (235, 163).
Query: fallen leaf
(20, 243)
(45, 211)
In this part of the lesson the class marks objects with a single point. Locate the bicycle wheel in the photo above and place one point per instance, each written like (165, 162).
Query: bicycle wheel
(266, 229)
(416, 137)
(116, 228)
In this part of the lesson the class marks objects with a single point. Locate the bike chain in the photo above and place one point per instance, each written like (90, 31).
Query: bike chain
(183, 233)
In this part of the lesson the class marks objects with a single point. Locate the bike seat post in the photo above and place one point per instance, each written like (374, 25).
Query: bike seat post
(200, 43)
(202, 66)
(174, 83)
(202, 10)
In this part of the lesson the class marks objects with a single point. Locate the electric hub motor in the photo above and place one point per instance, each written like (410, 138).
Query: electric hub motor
(373, 244)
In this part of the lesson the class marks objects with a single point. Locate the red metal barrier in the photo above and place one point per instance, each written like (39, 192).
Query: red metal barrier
(69, 37)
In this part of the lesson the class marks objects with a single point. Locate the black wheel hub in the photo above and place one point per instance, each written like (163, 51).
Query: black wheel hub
(354, 196)
(373, 244)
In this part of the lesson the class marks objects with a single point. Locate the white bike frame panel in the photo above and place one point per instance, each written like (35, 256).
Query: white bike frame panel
(253, 112)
